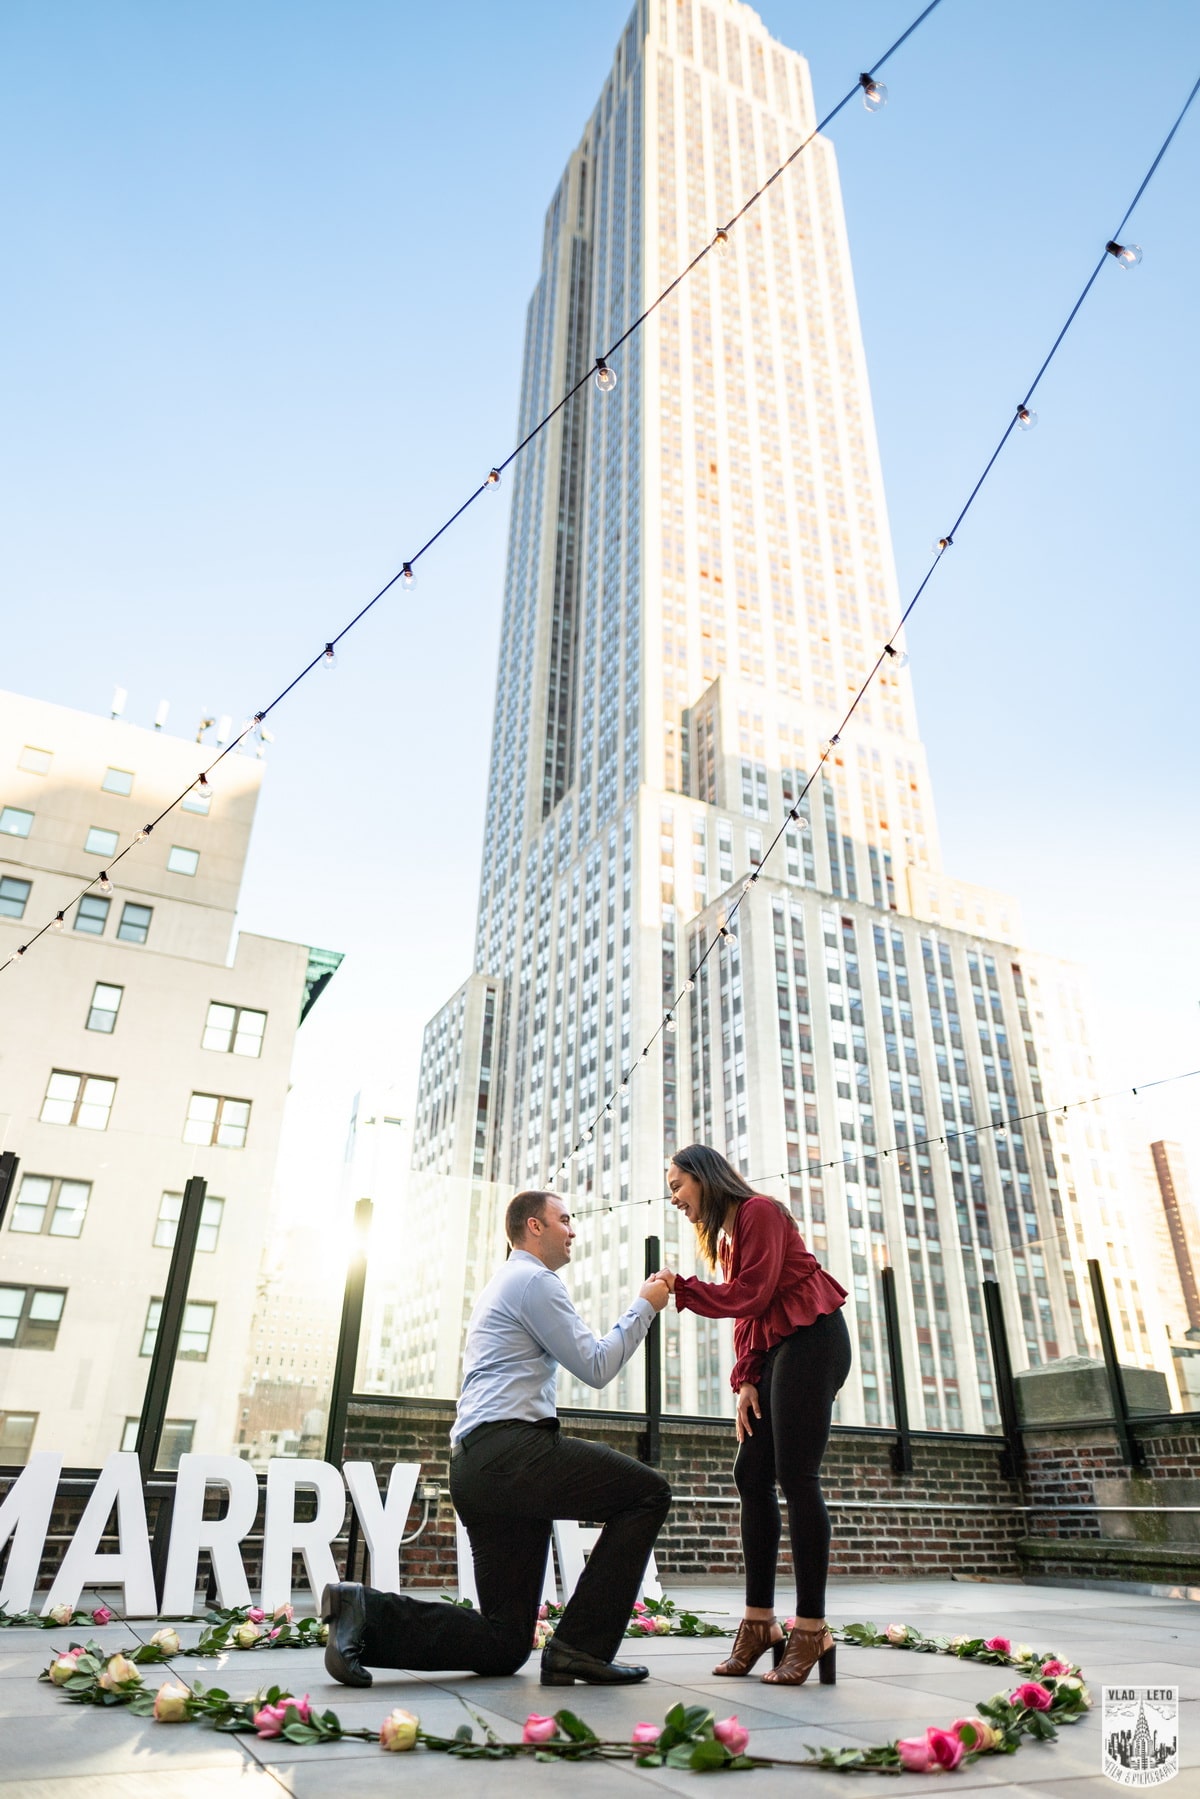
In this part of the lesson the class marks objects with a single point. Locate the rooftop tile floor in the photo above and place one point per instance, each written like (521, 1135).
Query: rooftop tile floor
(50, 1749)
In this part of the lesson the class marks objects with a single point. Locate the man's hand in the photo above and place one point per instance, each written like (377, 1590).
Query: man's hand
(747, 1407)
(667, 1277)
(656, 1291)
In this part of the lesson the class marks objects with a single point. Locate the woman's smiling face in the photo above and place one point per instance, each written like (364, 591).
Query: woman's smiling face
(685, 1192)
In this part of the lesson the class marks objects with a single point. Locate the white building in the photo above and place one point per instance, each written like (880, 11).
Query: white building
(700, 577)
(141, 1043)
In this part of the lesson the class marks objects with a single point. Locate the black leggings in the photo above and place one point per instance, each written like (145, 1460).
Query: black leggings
(796, 1391)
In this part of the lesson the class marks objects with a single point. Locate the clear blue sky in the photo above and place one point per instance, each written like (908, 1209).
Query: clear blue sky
(261, 329)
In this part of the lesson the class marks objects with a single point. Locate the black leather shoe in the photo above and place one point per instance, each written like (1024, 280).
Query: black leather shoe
(344, 1609)
(562, 1666)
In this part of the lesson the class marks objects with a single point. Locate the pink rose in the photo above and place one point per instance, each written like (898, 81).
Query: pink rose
(102, 1615)
(272, 1634)
(283, 1614)
(398, 1732)
(1033, 1695)
(268, 1720)
(646, 1735)
(735, 1736)
(544, 1610)
(1053, 1668)
(639, 1607)
(999, 1645)
(256, 1614)
(539, 1729)
(915, 1754)
(945, 1749)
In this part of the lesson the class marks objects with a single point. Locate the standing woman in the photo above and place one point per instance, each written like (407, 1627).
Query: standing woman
(792, 1353)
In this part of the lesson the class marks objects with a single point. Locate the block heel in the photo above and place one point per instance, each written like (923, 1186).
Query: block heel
(827, 1665)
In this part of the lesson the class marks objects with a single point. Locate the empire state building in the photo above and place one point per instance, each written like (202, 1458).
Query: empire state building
(699, 578)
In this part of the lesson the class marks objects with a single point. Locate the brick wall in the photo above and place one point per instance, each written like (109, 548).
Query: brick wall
(953, 1514)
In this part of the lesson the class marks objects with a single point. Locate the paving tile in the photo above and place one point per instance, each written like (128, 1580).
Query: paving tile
(246, 1782)
(388, 1774)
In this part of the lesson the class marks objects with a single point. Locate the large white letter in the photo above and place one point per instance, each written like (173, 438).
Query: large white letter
(283, 1535)
(383, 1522)
(191, 1531)
(130, 1568)
(25, 1517)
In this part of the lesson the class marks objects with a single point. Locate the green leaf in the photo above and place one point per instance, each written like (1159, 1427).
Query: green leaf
(300, 1733)
(708, 1755)
(464, 1734)
(575, 1728)
(675, 1717)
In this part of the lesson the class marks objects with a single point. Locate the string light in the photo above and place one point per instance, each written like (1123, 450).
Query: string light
(1026, 420)
(941, 545)
(330, 656)
(203, 786)
(898, 658)
(1126, 256)
(145, 832)
(874, 94)
(605, 379)
(103, 883)
(721, 241)
(58, 921)
(493, 479)
(406, 574)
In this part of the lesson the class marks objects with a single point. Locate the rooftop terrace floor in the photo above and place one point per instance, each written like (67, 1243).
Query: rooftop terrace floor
(50, 1749)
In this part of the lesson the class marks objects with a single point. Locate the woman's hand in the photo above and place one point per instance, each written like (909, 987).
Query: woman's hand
(747, 1407)
(667, 1278)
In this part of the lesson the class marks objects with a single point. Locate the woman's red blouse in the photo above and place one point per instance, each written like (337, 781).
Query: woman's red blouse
(773, 1284)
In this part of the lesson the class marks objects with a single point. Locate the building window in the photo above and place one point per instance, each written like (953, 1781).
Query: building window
(15, 821)
(91, 914)
(135, 923)
(35, 761)
(100, 842)
(235, 1028)
(176, 1439)
(82, 1099)
(117, 780)
(196, 802)
(213, 1120)
(16, 1437)
(30, 1316)
(194, 1336)
(181, 861)
(51, 1202)
(14, 896)
(106, 1003)
(167, 1227)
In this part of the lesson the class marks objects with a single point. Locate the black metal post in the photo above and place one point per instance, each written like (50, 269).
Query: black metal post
(9, 1162)
(1013, 1454)
(902, 1457)
(346, 1365)
(170, 1324)
(653, 1365)
(1132, 1453)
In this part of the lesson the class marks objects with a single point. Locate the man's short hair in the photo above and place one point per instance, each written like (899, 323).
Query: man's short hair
(520, 1210)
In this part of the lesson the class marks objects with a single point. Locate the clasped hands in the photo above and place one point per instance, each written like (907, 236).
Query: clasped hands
(658, 1288)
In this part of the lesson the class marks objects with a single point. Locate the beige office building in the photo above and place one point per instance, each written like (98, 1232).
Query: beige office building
(142, 1042)
(699, 580)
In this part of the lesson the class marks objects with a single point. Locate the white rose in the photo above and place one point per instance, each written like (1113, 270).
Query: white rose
(167, 1640)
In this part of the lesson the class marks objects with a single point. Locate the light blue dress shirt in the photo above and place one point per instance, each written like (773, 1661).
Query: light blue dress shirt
(522, 1329)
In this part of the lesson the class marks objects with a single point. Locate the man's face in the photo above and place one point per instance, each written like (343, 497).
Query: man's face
(550, 1237)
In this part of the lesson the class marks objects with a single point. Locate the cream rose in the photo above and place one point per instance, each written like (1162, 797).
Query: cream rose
(171, 1702)
(398, 1731)
(118, 1669)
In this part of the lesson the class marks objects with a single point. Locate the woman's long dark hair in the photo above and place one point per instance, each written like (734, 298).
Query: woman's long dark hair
(720, 1187)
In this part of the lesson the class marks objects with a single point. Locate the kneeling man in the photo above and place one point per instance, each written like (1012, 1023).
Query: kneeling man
(512, 1472)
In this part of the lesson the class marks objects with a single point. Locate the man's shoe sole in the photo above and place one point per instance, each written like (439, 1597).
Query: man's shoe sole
(569, 1680)
(336, 1666)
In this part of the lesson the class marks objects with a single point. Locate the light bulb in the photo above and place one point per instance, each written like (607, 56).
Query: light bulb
(493, 479)
(1026, 419)
(941, 544)
(669, 1022)
(721, 241)
(587, 1137)
(21, 948)
(1127, 256)
(830, 744)
(873, 92)
(689, 986)
(204, 786)
(727, 936)
(143, 833)
(104, 884)
(407, 576)
(798, 819)
(604, 377)
(330, 657)
(899, 657)
(58, 921)
(624, 1087)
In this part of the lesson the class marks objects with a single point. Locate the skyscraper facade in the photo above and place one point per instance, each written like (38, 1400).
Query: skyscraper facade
(699, 579)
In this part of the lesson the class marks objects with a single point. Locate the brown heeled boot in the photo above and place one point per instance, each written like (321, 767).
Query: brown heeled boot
(751, 1643)
(805, 1650)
